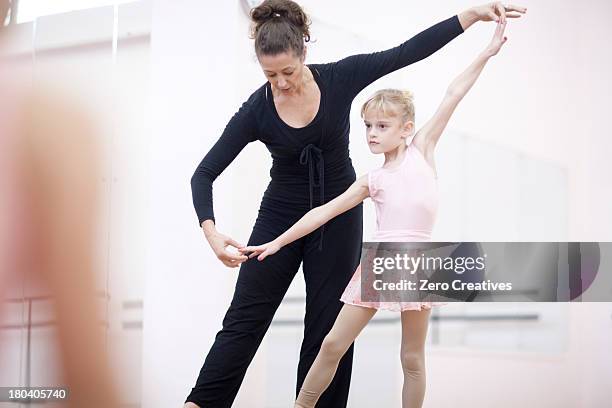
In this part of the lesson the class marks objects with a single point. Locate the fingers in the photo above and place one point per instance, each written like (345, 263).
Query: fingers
(233, 260)
(251, 251)
(228, 256)
(254, 254)
(501, 11)
(233, 257)
(251, 248)
(261, 250)
(233, 243)
(228, 263)
(498, 30)
(512, 7)
(255, 251)
(499, 37)
(501, 27)
(263, 255)
(513, 11)
(231, 264)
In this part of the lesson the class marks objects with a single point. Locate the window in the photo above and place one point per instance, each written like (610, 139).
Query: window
(29, 10)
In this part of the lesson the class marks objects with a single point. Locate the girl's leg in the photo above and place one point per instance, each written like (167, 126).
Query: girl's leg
(412, 355)
(351, 320)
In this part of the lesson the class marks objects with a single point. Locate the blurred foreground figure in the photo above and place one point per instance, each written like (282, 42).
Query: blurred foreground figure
(48, 180)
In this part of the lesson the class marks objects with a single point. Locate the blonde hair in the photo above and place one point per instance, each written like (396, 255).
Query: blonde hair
(391, 102)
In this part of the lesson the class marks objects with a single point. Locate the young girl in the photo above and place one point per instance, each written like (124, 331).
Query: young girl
(405, 195)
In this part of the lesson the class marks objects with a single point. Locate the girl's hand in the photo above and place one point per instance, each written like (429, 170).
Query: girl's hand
(219, 243)
(497, 41)
(264, 250)
(497, 11)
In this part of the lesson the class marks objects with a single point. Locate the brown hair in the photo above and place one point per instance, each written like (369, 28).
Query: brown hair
(279, 26)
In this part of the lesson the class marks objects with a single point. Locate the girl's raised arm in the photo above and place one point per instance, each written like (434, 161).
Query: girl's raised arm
(313, 219)
(427, 137)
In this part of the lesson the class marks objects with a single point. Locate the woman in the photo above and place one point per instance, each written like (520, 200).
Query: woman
(302, 115)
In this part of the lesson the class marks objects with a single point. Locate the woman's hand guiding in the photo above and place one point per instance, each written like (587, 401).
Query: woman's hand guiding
(219, 243)
(498, 11)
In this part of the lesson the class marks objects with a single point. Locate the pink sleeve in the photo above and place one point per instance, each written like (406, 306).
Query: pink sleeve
(372, 184)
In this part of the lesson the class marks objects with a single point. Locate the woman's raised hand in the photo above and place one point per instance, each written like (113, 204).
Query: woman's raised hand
(219, 243)
(264, 250)
(498, 11)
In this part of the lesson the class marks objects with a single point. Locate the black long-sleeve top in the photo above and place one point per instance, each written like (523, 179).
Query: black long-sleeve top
(315, 157)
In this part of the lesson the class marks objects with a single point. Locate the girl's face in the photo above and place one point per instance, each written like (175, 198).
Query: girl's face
(284, 71)
(385, 133)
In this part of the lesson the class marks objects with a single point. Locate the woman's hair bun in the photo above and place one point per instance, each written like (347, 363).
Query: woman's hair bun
(286, 10)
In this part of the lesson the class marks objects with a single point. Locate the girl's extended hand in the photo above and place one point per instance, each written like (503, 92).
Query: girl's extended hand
(497, 41)
(269, 248)
(497, 11)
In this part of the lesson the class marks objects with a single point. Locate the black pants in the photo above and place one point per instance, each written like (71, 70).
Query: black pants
(260, 288)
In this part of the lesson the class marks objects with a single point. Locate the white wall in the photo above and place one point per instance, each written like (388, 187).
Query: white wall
(193, 94)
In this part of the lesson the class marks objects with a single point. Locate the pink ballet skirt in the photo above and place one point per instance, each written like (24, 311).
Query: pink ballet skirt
(406, 203)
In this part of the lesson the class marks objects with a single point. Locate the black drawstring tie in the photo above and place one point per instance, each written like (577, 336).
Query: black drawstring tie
(308, 155)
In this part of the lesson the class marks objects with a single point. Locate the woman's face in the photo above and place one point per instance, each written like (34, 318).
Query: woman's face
(284, 71)
(385, 133)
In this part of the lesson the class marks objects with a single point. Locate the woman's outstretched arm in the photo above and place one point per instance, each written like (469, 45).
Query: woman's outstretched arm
(427, 137)
(358, 71)
(313, 219)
